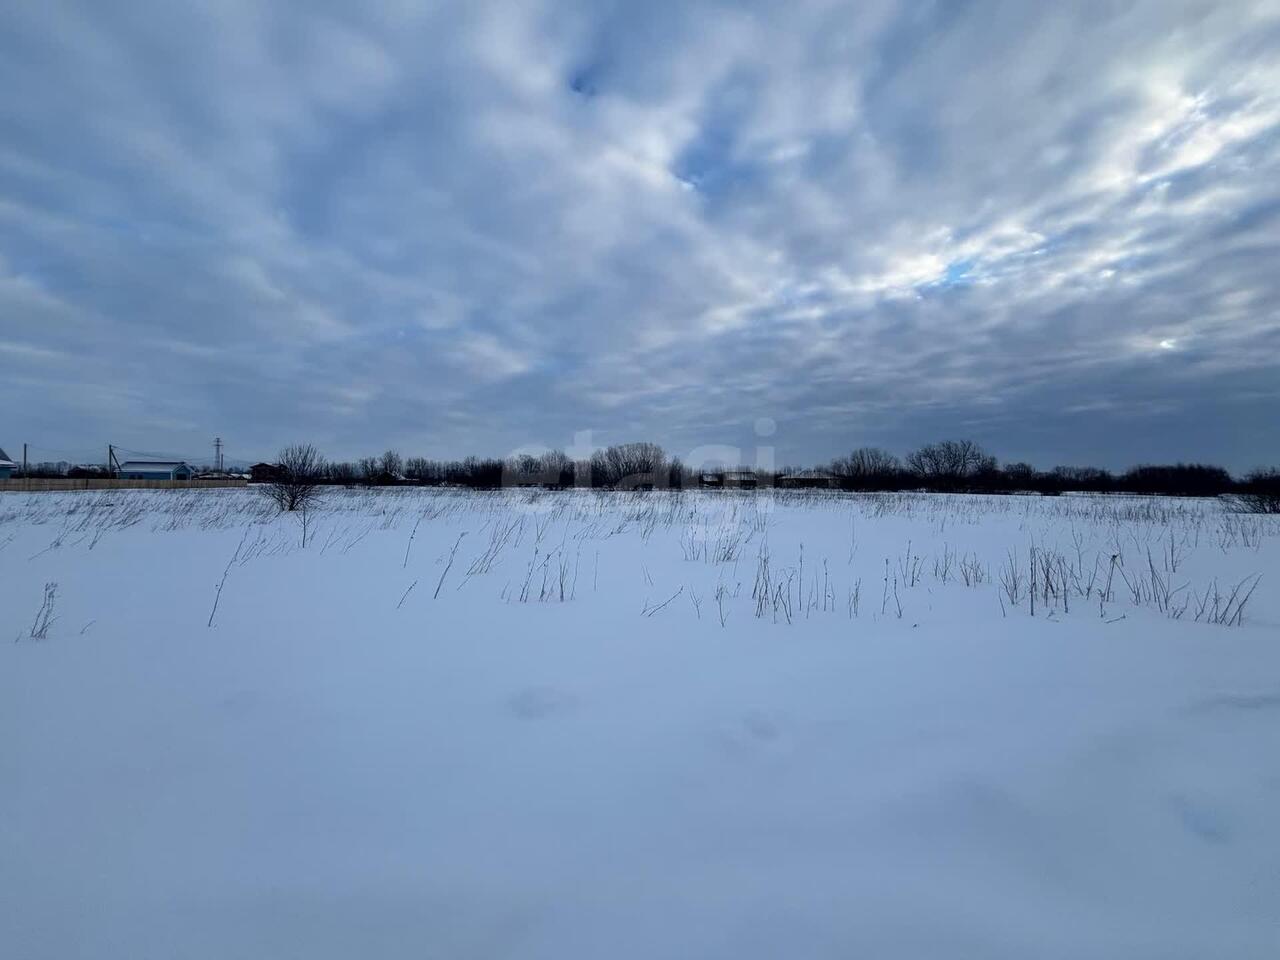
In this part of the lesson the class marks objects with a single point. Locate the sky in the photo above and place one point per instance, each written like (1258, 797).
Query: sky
(799, 228)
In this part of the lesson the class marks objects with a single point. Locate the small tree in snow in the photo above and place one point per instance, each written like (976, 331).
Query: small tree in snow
(298, 474)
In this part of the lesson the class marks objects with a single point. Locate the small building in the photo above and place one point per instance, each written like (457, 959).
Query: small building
(264, 473)
(809, 480)
(740, 479)
(6, 465)
(155, 470)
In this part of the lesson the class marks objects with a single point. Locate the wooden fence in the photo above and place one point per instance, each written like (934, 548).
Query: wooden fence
(38, 484)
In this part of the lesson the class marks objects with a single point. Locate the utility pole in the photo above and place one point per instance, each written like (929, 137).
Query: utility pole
(26, 476)
(112, 463)
(217, 454)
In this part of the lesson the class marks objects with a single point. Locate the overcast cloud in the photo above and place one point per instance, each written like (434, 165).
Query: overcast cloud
(467, 227)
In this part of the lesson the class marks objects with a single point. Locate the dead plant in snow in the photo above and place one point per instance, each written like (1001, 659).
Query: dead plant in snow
(44, 616)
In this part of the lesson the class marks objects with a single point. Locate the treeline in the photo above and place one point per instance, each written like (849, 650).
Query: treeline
(48, 470)
(960, 466)
(625, 466)
(953, 466)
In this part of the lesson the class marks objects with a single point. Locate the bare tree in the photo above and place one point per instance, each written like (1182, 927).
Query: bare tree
(390, 466)
(298, 474)
(417, 469)
(1019, 476)
(557, 468)
(866, 467)
(678, 475)
(343, 473)
(950, 463)
(630, 466)
(550, 469)
(524, 469)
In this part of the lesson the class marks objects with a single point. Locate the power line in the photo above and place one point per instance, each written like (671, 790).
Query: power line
(191, 458)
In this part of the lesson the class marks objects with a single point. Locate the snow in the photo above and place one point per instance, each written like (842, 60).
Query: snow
(337, 767)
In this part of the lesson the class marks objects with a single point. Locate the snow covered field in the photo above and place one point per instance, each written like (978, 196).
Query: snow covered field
(551, 725)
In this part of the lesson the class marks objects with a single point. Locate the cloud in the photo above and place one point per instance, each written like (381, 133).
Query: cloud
(487, 358)
(469, 227)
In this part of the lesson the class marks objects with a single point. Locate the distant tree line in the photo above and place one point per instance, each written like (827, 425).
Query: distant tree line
(47, 470)
(949, 466)
(963, 466)
(626, 466)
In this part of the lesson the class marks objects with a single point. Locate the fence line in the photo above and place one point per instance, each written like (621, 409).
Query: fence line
(38, 484)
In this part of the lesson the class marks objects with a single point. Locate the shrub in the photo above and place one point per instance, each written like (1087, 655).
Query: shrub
(298, 476)
(1260, 492)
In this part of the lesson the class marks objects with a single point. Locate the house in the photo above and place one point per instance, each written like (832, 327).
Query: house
(6, 465)
(741, 479)
(809, 480)
(264, 473)
(155, 470)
